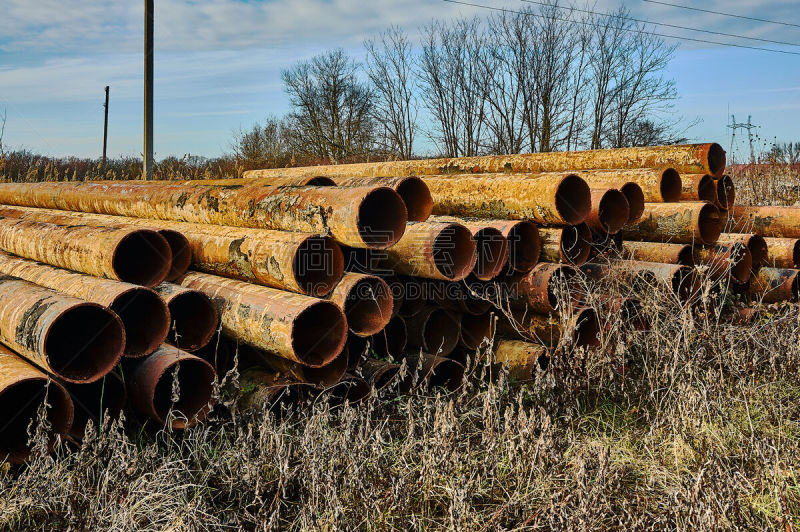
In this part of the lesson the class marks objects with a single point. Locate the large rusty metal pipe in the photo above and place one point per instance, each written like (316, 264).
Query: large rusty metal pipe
(635, 196)
(352, 389)
(144, 315)
(475, 330)
(571, 244)
(380, 375)
(327, 375)
(413, 190)
(434, 330)
(699, 187)
(193, 318)
(659, 252)
(547, 288)
(366, 301)
(432, 371)
(756, 244)
(444, 251)
(610, 210)
(151, 386)
(524, 243)
(94, 400)
(491, 246)
(773, 285)
(138, 256)
(734, 259)
(264, 389)
(521, 359)
(726, 192)
(303, 329)
(392, 340)
(694, 222)
(681, 280)
(181, 253)
(356, 216)
(783, 252)
(249, 177)
(708, 158)
(23, 391)
(767, 221)
(556, 199)
(658, 185)
(74, 340)
(581, 327)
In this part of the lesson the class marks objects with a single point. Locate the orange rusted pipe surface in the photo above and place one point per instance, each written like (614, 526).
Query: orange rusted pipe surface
(708, 158)
(327, 375)
(23, 389)
(263, 388)
(556, 199)
(756, 244)
(138, 256)
(94, 401)
(547, 288)
(251, 177)
(694, 222)
(581, 327)
(604, 244)
(681, 280)
(444, 251)
(300, 328)
(74, 340)
(734, 259)
(413, 190)
(610, 210)
(767, 221)
(659, 252)
(783, 252)
(357, 216)
(524, 242)
(571, 244)
(144, 315)
(366, 301)
(475, 330)
(773, 285)
(150, 383)
(193, 317)
(491, 246)
(657, 184)
(726, 192)
(635, 196)
(432, 371)
(434, 330)
(392, 340)
(181, 253)
(699, 187)
(521, 359)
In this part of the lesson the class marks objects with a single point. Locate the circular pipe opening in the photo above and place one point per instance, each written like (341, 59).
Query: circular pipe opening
(726, 192)
(84, 343)
(564, 281)
(329, 374)
(454, 252)
(447, 374)
(357, 348)
(613, 211)
(716, 159)
(384, 376)
(573, 199)
(195, 387)
(319, 181)
(758, 251)
(524, 246)
(741, 262)
(145, 318)
(353, 389)
(392, 340)
(575, 244)
(417, 197)
(319, 333)
(318, 265)
(587, 328)
(796, 254)
(181, 253)
(382, 218)
(21, 402)
(684, 283)
(440, 332)
(93, 400)
(142, 257)
(686, 256)
(475, 329)
(709, 224)
(671, 185)
(193, 320)
(707, 189)
(368, 305)
(492, 253)
(635, 196)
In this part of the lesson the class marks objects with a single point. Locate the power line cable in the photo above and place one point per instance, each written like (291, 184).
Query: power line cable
(723, 14)
(665, 36)
(712, 32)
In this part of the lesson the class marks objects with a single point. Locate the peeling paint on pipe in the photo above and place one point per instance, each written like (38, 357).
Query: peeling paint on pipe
(571, 244)
(490, 243)
(415, 193)
(773, 285)
(699, 187)
(684, 223)
(682, 254)
(768, 221)
(193, 318)
(783, 252)
(547, 288)
(521, 359)
(444, 251)
(366, 301)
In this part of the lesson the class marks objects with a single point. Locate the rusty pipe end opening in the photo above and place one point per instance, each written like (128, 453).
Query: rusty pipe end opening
(686, 256)
(96, 399)
(709, 224)
(142, 257)
(331, 373)
(21, 402)
(524, 246)
(440, 332)
(84, 342)
(707, 189)
(576, 244)
(352, 389)
(741, 262)
(357, 348)
(318, 265)
(368, 305)
(716, 159)
(573, 199)
(392, 340)
(319, 181)
(633, 314)
(145, 318)
(671, 185)
(613, 211)
(382, 218)
(195, 386)
(447, 374)
(587, 327)
(193, 320)
(417, 197)
(759, 251)
(383, 376)
(319, 333)
(474, 329)
(684, 282)
(181, 253)
(726, 192)
(492, 253)
(564, 281)
(454, 252)
(635, 196)
(796, 254)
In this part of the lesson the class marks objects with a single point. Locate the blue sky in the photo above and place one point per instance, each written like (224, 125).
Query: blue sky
(218, 65)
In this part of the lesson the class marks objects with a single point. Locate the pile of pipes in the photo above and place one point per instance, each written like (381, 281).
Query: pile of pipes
(352, 279)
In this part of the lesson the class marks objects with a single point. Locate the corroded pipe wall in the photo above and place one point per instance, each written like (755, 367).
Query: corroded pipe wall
(659, 252)
(684, 223)
(570, 244)
(193, 318)
(366, 301)
(547, 288)
(767, 221)
(783, 252)
(491, 246)
(521, 359)
(444, 251)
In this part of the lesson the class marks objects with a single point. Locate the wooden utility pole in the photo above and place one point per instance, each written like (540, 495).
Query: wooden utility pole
(148, 89)
(105, 129)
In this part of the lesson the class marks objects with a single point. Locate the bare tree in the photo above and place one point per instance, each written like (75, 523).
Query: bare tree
(332, 113)
(264, 145)
(3, 131)
(604, 61)
(390, 64)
